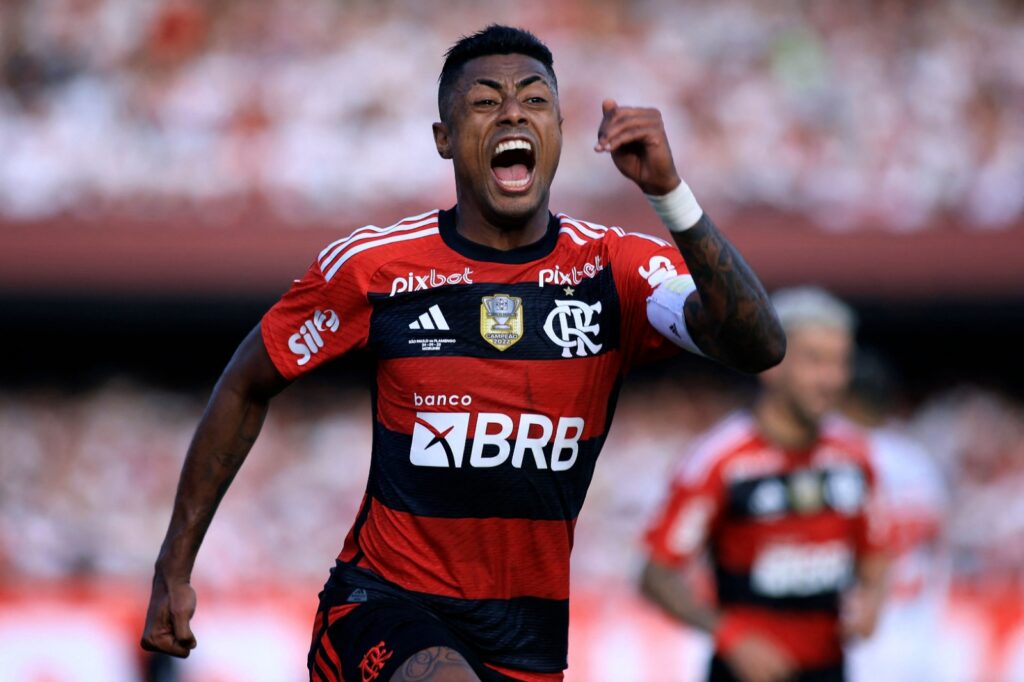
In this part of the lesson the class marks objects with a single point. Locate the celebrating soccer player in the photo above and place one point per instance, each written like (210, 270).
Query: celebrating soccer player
(780, 497)
(501, 334)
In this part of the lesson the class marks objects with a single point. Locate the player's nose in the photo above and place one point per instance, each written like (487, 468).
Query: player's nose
(512, 112)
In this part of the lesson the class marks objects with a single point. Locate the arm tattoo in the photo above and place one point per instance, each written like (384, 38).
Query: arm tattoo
(730, 318)
(435, 663)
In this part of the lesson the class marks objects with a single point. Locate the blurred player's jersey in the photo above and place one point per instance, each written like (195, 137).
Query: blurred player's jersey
(497, 374)
(912, 497)
(784, 530)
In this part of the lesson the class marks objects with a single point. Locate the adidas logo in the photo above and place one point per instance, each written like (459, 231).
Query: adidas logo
(432, 319)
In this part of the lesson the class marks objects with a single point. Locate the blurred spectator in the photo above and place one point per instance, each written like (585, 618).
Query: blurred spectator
(912, 498)
(889, 112)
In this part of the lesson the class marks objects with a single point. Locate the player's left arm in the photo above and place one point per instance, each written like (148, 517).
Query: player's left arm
(729, 316)
(863, 604)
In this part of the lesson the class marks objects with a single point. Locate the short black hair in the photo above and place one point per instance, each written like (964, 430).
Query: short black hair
(495, 39)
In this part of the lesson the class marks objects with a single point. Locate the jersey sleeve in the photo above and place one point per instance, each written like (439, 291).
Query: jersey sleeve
(317, 319)
(642, 264)
(680, 530)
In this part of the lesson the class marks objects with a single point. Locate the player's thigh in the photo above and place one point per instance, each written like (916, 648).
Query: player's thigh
(372, 641)
(436, 664)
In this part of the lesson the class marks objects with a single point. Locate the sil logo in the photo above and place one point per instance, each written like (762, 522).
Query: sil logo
(308, 341)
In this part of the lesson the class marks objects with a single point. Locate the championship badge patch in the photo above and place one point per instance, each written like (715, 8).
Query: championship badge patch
(501, 320)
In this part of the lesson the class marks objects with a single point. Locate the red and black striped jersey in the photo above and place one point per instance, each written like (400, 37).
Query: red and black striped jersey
(497, 374)
(784, 529)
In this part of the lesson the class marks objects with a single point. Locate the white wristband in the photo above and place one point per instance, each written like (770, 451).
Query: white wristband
(678, 209)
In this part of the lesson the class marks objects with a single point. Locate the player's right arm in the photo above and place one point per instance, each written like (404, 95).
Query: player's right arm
(323, 315)
(680, 535)
(222, 440)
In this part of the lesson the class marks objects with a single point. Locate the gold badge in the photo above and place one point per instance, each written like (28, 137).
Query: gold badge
(501, 320)
(805, 493)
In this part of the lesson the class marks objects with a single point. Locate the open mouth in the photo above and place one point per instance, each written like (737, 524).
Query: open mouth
(512, 165)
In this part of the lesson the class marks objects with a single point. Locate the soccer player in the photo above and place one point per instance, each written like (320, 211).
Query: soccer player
(501, 334)
(779, 498)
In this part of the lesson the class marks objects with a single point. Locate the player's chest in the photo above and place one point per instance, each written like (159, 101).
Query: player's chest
(543, 311)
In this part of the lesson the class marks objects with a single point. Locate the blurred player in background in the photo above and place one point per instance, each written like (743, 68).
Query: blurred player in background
(779, 498)
(912, 497)
(501, 334)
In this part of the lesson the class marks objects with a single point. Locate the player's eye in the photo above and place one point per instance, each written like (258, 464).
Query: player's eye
(536, 100)
(485, 102)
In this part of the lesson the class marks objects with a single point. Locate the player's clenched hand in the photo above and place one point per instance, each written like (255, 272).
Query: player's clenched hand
(171, 606)
(756, 659)
(636, 139)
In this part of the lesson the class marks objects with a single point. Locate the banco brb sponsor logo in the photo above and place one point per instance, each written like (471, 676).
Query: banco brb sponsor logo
(439, 439)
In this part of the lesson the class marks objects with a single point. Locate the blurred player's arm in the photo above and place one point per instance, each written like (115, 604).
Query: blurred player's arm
(664, 586)
(863, 603)
(225, 434)
(729, 316)
(752, 657)
(680, 534)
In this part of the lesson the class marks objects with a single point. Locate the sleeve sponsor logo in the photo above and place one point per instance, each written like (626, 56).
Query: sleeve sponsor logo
(801, 570)
(658, 269)
(309, 339)
(572, 325)
(439, 439)
(570, 277)
(431, 280)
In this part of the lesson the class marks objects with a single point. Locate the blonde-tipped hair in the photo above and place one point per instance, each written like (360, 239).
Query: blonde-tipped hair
(808, 305)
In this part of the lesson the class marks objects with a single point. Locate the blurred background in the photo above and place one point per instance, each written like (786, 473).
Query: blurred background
(168, 166)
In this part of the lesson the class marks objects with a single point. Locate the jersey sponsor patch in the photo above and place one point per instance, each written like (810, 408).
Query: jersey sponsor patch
(431, 280)
(657, 270)
(802, 569)
(308, 341)
(570, 276)
(441, 439)
(501, 320)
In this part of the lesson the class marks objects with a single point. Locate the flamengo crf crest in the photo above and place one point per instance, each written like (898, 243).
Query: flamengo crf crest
(501, 320)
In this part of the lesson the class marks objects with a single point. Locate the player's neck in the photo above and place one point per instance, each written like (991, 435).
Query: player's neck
(505, 235)
(781, 425)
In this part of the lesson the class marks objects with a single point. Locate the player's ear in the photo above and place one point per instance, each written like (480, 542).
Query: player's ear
(443, 141)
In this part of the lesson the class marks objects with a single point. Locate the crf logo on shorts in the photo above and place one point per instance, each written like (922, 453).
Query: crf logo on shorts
(439, 440)
(373, 662)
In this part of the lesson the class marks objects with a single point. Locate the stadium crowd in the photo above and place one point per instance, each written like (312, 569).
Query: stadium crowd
(887, 112)
(86, 481)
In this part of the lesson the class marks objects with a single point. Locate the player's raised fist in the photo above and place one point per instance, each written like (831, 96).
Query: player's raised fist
(636, 139)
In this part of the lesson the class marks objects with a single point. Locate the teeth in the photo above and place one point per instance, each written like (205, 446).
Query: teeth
(509, 145)
(515, 183)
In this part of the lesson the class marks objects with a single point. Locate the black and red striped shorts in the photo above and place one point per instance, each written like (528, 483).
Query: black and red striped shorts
(362, 635)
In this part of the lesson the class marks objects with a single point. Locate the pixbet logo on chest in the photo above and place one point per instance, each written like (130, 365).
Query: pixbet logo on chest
(431, 280)
(439, 440)
(308, 340)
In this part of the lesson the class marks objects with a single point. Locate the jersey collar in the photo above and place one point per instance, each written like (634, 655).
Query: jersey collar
(470, 249)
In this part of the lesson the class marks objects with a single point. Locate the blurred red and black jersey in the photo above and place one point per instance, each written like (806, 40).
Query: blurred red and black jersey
(497, 374)
(784, 530)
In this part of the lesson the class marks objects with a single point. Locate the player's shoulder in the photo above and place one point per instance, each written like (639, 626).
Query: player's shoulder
(584, 232)
(727, 439)
(845, 436)
(369, 247)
